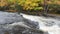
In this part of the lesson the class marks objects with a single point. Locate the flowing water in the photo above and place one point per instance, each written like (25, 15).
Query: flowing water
(49, 24)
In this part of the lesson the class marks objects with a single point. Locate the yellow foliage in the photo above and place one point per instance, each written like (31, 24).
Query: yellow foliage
(28, 4)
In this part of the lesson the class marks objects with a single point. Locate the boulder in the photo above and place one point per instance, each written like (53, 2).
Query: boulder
(17, 29)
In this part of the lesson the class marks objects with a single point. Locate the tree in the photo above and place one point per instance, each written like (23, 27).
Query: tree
(48, 3)
(33, 4)
(28, 4)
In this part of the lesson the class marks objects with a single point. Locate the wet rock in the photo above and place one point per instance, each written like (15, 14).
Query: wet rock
(23, 30)
(17, 29)
(32, 24)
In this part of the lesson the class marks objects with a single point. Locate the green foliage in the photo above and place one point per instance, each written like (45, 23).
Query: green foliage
(38, 8)
(54, 8)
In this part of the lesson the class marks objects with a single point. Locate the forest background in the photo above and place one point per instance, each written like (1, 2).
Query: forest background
(34, 7)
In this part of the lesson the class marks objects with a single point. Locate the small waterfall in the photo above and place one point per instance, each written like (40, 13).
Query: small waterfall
(9, 21)
(12, 23)
(49, 24)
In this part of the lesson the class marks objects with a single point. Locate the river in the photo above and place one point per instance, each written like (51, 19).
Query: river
(49, 24)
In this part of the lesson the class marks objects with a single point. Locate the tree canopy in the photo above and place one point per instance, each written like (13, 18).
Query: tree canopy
(30, 4)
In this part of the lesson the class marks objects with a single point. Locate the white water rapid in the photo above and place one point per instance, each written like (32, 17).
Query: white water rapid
(46, 24)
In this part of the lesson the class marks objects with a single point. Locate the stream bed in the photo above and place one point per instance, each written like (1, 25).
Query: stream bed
(49, 24)
(12, 23)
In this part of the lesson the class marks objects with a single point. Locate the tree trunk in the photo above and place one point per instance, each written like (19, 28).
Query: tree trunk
(45, 8)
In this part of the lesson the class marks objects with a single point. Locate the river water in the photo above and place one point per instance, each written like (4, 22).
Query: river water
(49, 24)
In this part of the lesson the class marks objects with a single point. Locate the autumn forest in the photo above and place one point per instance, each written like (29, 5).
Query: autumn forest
(31, 6)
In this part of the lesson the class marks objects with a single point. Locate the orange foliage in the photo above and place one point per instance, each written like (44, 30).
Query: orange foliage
(58, 2)
(3, 2)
